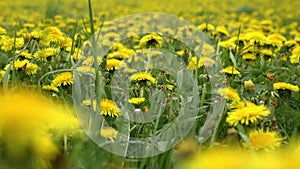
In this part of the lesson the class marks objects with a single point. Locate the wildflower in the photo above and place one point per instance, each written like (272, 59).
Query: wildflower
(19, 64)
(64, 79)
(249, 85)
(113, 64)
(151, 40)
(241, 104)
(257, 37)
(222, 30)
(65, 43)
(109, 133)
(249, 113)
(52, 34)
(51, 88)
(264, 140)
(36, 34)
(88, 102)
(227, 44)
(143, 76)
(170, 87)
(2, 31)
(249, 56)
(229, 94)
(206, 26)
(31, 68)
(201, 62)
(9, 43)
(136, 100)
(285, 86)
(46, 53)
(109, 107)
(231, 70)
(295, 57)
(2, 74)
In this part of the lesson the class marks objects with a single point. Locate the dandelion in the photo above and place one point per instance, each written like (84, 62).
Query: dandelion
(231, 70)
(9, 43)
(31, 68)
(143, 76)
(113, 64)
(206, 26)
(249, 56)
(249, 85)
(19, 64)
(295, 57)
(245, 115)
(64, 79)
(46, 53)
(136, 100)
(53, 34)
(285, 86)
(109, 133)
(264, 140)
(109, 107)
(229, 94)
(151, 40)
(257, 37)
(202, 61)
(51, 88)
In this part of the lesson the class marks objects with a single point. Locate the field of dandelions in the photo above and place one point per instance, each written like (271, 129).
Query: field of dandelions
(253, 45)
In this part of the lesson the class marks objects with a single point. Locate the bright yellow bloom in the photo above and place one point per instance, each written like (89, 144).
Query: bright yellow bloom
(2, 73)
(9, 43)
(114, 64)
(31, 68)
(227, 44)
(19, 64)
(64, 79)
(250, 113)
(257, 37)
(143, 76)
(206, 26)
(109, 133)
(109, 107)
(201, 62)
(46, 53)
(249, 56)
(249, 85)
(266, 140)
(231, 70)
(51, 88)
(53, 34)
(241, 104)
(229, 94)
(151, 40)
(285, 86)
(136, 100)
(295, 57)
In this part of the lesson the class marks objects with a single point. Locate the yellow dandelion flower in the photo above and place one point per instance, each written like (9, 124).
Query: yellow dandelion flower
(231, 70)
(51, 88)
(36, 34)
(19, 64)
(109, 133)
(109, 107)
(2, 31)
(136, 100)
(201, 62)
(31, 68)
(285, 86)
(53, 34)
(229, 94)
(170, 87)
(151, 40)
(46, 53)
(241, 104)
(295, 57)
(64, 79)
(9, 43)
(227, 44)
(264, 140)
(2, 74)
(86, 69)
(250, 113)
(248, 85)
(249, 56)
(65, 43)
(24, 53)
(257, 37)
(143, 76)
(223, 30)
(206, 26)
(114, 64)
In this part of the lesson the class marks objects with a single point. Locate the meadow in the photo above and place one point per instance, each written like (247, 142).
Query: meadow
(149, 85)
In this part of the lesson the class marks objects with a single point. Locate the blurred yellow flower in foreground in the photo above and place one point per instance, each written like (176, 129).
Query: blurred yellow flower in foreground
(109, 132)
(26, 129)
